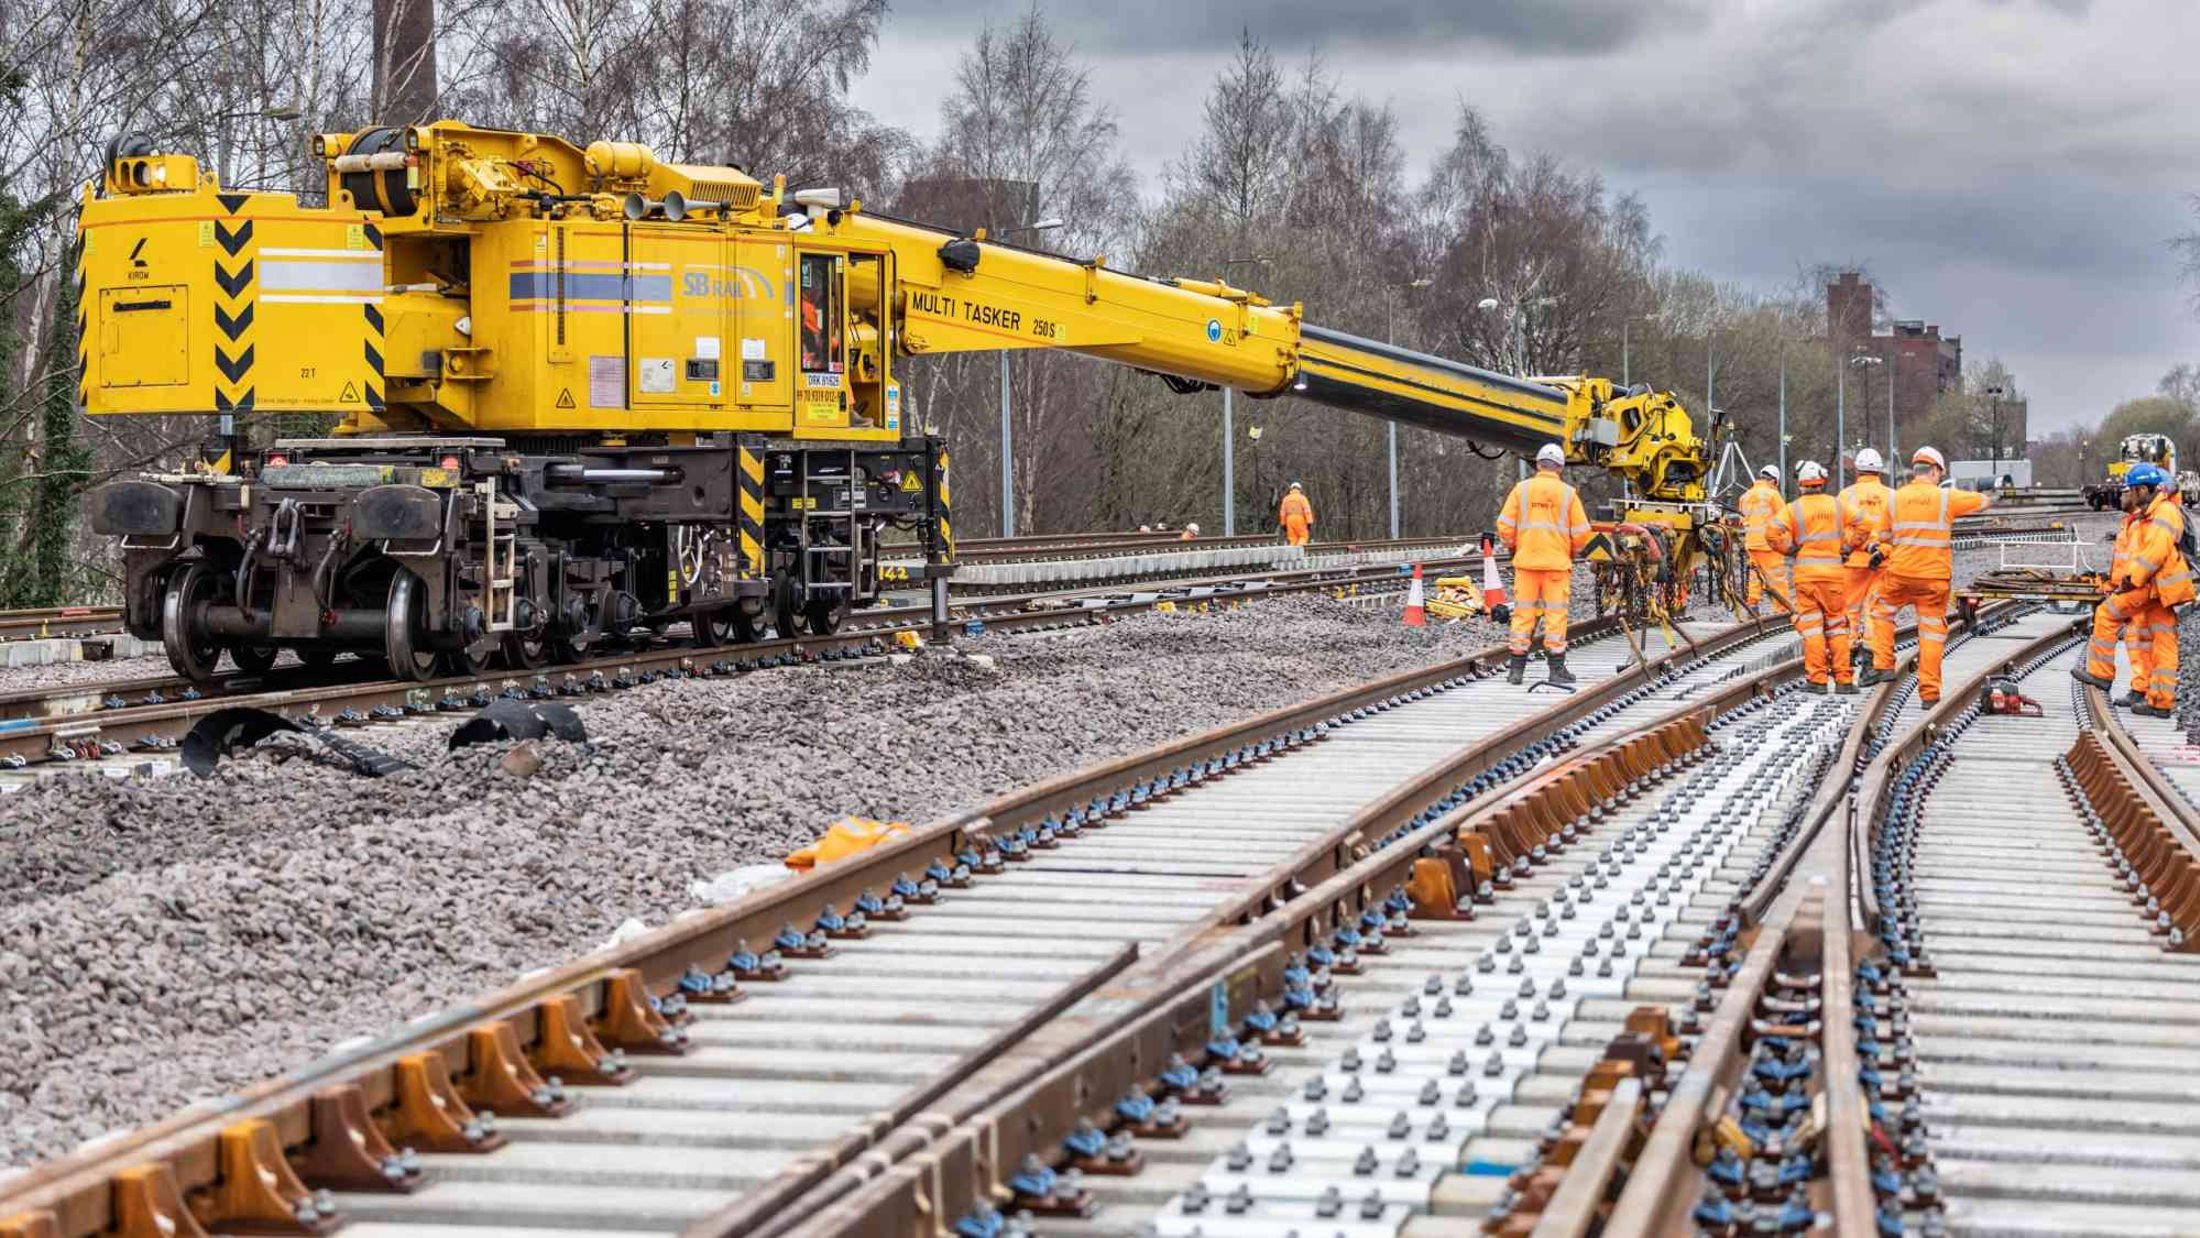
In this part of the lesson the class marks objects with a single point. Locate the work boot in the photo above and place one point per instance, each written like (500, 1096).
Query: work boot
(2145, 710)
(1873, 675)
(1517, 669)
(1844, 688)
(1559, 674)
(2085, 676)
(1818, 688)
(2128, 700)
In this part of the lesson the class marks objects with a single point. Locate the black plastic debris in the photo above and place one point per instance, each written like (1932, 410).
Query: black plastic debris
(224, 731)
(507, 719)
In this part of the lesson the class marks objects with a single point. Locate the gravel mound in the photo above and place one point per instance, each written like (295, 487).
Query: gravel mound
(178, 935)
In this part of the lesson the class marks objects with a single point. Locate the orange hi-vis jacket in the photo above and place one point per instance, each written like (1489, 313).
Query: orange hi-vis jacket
(1295, 510)
(1544, 524)
(1923, 524)
(1816, 527)
(1869, 503)
(1759, 505)
(2154, 557)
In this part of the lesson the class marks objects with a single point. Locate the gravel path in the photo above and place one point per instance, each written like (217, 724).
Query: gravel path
(168, 937)
(182, 934)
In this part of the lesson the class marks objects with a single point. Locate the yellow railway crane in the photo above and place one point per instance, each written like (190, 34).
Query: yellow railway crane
(582, 391)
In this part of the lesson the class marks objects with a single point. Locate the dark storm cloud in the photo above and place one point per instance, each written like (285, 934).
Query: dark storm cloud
(2010, 169)
(1541, 27)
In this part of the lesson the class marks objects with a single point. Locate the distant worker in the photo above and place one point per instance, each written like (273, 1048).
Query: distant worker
(1816, 526)
(1760, 503)
(1190, 533)
(1918, 559)
(2149, 580)
(1296, 516)
(1544, 526)
(1868, 501)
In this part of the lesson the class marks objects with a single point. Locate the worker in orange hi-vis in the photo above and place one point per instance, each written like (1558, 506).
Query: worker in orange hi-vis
(2148, 581)
(1760, 503)
(1918, 560)
(1816, 527)
(1544, 526)
(1296, 516)
(1868, 501)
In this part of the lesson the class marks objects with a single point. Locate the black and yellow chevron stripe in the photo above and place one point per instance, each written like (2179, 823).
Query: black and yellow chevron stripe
(83, 336)
(750, 512)
(236, 291)
(371, 383)
(946, 529)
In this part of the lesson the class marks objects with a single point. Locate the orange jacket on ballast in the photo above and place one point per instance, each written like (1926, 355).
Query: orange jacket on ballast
(1815, 526)
(1544, 524)
(1923, 519)
(2154, 557)
(1760, 504)
(1869, 503)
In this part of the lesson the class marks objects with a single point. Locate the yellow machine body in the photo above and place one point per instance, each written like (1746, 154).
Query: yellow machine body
(467, 280)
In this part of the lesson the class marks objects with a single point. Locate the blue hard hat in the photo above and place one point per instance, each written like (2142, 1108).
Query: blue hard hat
(2146, 475)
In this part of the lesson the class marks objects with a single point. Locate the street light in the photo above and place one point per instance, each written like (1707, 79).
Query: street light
(1390, 336)
(1626, 353)
(1008, 459)
(1861, 360)
(1993, 400)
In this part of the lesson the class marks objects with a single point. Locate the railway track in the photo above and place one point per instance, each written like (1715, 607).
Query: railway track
(1039, 922)
(91, 721)
(58, 622)
(1431, 953)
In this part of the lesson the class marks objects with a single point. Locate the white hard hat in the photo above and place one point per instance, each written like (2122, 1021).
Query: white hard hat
(1868, 461)
(1810, 472)
(1928, 455)
(1771, 473)
(1551, 453)
(1192, 527)
(1297, 486)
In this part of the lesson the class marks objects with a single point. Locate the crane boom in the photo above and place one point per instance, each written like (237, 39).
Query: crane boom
(631, 389)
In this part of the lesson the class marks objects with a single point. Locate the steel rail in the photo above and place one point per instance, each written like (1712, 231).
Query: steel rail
(600, 990)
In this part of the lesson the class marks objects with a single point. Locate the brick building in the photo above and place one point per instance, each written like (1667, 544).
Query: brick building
(1925, 363)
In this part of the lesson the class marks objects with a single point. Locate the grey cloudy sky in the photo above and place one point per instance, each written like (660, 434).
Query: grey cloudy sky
(2010, 169)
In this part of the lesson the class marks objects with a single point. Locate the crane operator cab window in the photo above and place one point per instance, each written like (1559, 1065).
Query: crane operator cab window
(822, 342)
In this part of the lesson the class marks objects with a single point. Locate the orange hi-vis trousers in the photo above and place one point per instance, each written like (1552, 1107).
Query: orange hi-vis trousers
(2157, 626)
(1294, 533)
(1861, 582)
(1545, 596)
(1772, 566)
(1930, 597)
(1821, 619)
(2149, 632)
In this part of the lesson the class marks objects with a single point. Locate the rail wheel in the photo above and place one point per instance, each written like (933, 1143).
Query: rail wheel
(786, 613)
(317, 658)
(404, 632)
(254, 659)
(525, 653)
(566, 649)
(824, 616)
(466, 662)
(711, 628)
(190, 651)
(747, 624)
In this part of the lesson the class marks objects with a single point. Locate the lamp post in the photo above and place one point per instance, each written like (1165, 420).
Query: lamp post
(1008, 459)
(1864, 362)
(1390, 336)
(1993, 401)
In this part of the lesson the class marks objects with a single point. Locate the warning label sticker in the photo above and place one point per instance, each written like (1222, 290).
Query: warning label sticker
(607, 382)
(565, 397)
(351, 393)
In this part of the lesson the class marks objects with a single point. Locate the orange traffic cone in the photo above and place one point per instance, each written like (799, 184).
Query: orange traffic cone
(1494, 601)
(1416, 602)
